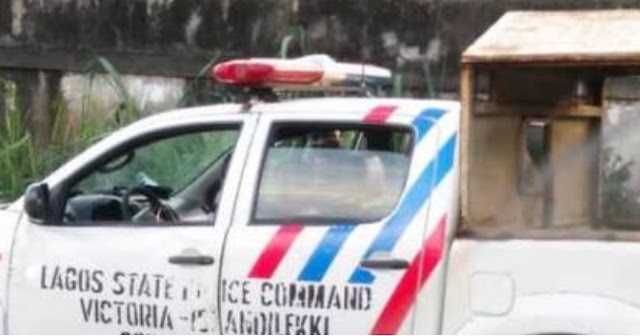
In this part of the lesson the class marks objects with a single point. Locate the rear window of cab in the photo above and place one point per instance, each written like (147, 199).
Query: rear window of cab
(314, 173)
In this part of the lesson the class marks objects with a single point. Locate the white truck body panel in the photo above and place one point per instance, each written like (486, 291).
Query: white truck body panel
(324, 257)
(534, 287)
(106, 280)
(8, 223)
(110, 279)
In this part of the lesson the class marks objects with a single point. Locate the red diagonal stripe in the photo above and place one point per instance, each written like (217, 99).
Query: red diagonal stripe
(402, 298)
(275, 251)
(379, 114)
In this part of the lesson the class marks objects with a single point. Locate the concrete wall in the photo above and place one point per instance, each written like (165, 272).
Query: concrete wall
(43, 40)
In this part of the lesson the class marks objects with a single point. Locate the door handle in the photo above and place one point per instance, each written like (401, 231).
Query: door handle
(199, 260)
(386, 263)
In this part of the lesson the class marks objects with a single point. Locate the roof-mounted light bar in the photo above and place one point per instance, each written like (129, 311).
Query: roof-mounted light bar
(309, 71)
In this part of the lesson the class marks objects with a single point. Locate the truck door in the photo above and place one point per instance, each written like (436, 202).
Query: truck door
(343, 219)
(137, 245)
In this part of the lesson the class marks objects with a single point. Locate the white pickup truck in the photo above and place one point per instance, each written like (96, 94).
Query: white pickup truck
(351, 215)
(314, 216)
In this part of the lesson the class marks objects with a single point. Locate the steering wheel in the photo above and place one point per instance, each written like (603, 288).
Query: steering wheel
(161, 210)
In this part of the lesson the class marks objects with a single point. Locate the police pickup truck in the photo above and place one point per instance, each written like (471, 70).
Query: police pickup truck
(312, 216)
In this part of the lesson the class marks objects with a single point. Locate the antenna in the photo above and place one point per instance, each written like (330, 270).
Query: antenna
(362, 83)
(363, 37)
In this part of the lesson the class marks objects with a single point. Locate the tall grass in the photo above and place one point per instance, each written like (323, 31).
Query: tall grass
(24, 160)
(17, 161)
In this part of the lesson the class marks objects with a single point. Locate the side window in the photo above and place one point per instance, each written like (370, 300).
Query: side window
(328, 174)
(167, 180)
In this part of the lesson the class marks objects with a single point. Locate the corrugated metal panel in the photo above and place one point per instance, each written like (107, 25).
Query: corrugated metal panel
(561, 37)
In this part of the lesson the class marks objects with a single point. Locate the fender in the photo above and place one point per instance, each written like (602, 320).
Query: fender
(3, 320)
(564, 312)
(9, 219)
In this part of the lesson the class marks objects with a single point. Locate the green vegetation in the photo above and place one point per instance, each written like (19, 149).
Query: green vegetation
(17, 148)
(25, 159)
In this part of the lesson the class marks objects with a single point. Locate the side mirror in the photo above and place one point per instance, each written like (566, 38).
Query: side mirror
(36, 202)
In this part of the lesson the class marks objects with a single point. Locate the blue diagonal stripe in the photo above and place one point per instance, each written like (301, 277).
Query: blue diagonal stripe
(425, 121)
(435, 171)
(325, 253)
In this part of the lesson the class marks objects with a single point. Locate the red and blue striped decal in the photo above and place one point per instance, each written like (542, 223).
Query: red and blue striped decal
(275, 251)
(379, 114)
(324, 254)
(326, 251)
(397, 307)
(421, 190)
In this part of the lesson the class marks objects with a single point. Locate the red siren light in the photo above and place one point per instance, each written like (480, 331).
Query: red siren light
(313, 71)
(248, 72)
(242, 72)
